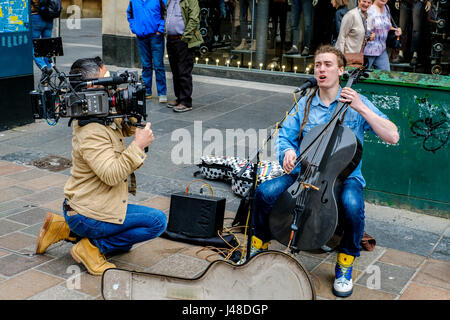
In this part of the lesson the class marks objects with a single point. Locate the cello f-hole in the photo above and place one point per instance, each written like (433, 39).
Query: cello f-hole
(324, 188)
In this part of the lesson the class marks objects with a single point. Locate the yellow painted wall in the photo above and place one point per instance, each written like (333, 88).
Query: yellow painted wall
(89, 8)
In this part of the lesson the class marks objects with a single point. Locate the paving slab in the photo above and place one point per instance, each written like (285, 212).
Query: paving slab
(400, 237)
(392, 278)
(442, 250)
(14, 264)
(26, 285)
(434, 273)
(59, 291)
(29, 217)
(417, 291)
(179, 265)
(402, 259)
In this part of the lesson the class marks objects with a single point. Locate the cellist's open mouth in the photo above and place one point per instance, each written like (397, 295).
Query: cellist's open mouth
(322, 77)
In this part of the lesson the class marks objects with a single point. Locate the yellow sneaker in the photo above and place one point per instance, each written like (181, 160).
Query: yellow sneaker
(343, 283)
(257, 246)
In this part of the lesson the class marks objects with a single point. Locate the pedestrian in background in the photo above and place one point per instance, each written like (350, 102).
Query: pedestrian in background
(341, 10)
(182, 22)
(146, 19)
(353, 28)
(379, 22)
(42, 27)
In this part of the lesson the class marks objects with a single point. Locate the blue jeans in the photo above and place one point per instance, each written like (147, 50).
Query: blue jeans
(41, 29)
(380, 62)
(351, 211)
(151, 51)
(141, 224)
(307, 7)
(414, 10)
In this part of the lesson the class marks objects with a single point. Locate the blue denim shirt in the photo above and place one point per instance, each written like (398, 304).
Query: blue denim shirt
(321, 114)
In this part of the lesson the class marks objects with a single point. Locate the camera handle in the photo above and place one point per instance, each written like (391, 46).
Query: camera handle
(135, 124)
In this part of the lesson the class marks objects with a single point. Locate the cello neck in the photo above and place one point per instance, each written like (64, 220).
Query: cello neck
(341, 105)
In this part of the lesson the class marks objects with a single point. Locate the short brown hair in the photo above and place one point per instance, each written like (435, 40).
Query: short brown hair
(330, 49)
(340, 3)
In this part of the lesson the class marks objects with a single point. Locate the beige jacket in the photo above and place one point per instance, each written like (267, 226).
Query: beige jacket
(102, 171)
(351, 34)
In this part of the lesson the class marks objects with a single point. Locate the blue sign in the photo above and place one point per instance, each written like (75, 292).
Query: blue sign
(16, 53)
(14, 16)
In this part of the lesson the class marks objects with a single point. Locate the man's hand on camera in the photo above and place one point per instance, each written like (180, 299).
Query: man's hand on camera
(144, 136)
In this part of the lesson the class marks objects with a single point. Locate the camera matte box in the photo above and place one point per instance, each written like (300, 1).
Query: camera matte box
(196, 215)
(48, 47)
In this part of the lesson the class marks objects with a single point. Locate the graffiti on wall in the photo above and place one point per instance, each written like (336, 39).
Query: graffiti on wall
(432, 127)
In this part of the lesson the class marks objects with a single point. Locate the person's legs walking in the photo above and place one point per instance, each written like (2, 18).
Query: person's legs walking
(405, 13)
(382, 62)
(145, 53)
(157, 45)
(295, 18)
(417, 15)
(370, 61)
(307, 19)
(41, 29)
(185, 66)
(174, 67)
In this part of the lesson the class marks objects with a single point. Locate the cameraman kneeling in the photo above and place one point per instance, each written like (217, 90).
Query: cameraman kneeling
(97, 215)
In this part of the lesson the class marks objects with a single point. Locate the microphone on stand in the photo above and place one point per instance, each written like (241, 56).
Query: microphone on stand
(309, 83)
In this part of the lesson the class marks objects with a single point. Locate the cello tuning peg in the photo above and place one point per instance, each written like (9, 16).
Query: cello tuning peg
(345, 76)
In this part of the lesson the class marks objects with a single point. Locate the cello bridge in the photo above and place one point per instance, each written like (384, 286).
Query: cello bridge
(309, 186)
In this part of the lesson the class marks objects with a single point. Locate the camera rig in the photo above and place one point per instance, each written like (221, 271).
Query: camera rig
(122, 95)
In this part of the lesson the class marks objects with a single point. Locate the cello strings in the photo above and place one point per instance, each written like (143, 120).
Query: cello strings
(301, 199)
(308, 148)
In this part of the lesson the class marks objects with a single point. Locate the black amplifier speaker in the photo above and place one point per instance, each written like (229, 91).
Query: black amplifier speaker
(196, 215)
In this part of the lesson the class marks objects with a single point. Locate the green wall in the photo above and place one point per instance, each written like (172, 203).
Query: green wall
(414, 174)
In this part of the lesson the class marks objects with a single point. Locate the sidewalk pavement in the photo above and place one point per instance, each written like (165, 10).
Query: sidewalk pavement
(411, 259)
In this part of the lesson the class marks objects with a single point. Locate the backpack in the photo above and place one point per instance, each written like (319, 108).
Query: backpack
(49, 9)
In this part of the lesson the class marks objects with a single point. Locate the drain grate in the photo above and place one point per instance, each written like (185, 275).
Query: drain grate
(52, 163)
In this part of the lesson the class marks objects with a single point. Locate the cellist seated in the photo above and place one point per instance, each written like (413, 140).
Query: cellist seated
(320, 104)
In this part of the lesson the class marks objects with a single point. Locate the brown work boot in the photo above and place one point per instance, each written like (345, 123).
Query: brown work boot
(55, 229)
(90, 256)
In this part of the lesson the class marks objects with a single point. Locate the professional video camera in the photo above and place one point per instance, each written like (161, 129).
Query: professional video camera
(100, 100)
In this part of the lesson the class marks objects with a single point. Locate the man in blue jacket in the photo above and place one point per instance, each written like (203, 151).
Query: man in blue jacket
(147, 23)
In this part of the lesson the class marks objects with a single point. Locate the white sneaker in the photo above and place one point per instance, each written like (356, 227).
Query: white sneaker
(163, 99)
(343, 283)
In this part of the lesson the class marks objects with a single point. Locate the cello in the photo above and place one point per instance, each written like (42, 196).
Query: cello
(305, 216)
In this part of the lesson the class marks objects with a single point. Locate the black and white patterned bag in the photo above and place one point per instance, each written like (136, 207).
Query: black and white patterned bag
(228, 168)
